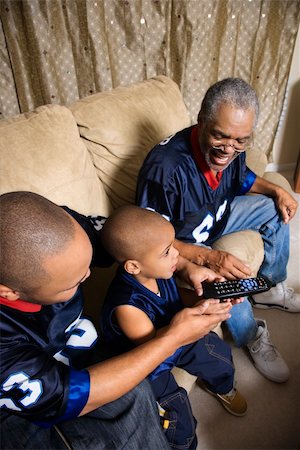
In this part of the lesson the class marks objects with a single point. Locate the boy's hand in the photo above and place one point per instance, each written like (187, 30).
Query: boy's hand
(193, 274)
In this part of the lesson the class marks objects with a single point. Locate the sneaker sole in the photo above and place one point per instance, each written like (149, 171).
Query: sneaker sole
(271, 306)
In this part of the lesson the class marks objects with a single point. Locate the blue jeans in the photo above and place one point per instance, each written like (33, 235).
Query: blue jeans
(258, 213)
(129, 423)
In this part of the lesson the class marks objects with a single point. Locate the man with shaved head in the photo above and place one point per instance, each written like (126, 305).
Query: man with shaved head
(57, 388)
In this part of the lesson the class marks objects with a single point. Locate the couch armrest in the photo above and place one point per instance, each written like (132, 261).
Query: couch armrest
(279, 179)
(246, 245)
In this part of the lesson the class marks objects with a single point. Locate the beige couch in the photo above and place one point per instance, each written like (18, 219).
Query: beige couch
(87, 157)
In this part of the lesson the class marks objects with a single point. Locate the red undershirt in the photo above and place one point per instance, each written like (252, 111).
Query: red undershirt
(20, 305)
(212, 179)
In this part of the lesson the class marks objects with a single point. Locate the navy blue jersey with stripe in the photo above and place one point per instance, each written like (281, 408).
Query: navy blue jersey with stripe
(126, 290)
(171, 183)
(44, 352)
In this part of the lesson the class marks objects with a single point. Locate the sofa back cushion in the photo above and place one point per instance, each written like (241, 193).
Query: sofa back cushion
(42, 152)
(121, 126)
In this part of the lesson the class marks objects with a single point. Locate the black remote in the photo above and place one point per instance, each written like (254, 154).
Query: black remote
(235, 288)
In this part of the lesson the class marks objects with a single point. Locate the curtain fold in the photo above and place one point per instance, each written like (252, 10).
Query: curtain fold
(56, 51)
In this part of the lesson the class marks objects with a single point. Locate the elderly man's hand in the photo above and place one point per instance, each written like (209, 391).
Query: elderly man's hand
(227, 265)
(286, 204)
(222, 263)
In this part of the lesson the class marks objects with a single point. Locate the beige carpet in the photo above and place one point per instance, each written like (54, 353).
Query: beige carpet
(273, 417)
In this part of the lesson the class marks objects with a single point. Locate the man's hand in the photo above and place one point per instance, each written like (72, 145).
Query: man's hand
(222, 263)
(286, 204)
(192, 324)
(227, 265)
(215, 306)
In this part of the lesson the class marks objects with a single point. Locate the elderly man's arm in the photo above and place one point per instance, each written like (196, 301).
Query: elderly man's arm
(285, 202)
(221, 262)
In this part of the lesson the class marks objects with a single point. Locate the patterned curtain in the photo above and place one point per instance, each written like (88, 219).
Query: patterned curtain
(56, 51)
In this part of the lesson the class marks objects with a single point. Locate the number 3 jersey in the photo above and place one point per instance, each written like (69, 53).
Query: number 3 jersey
(44, 350)
(176, 182)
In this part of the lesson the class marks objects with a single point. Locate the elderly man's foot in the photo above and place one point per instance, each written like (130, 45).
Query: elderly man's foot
(267, 359)
(280, 297)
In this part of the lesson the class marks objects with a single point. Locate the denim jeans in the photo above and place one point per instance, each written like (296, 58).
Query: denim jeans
(129, 423)
(208, 358)
(258, 213)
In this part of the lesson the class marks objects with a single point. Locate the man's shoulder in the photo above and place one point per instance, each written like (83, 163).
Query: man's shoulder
(170, 152)
(176, 142)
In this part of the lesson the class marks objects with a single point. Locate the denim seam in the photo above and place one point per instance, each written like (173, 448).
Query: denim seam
(174, 422)
(271, 253)
(210, 347)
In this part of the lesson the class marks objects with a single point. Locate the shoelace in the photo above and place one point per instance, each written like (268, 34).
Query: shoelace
(229, 396)
(264, 345)
(288, 292)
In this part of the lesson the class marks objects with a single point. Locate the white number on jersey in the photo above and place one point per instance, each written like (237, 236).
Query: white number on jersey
(20, 380)
(84, 335)
(201, 232)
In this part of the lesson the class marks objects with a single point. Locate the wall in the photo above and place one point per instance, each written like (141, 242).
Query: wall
(287, 141)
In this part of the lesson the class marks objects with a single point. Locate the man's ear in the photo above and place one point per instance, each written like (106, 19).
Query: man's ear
(9, 293)
(132, 266)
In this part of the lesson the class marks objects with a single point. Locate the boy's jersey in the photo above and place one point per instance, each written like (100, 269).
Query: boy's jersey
(44, 350)
(172, 183)
(126, 290)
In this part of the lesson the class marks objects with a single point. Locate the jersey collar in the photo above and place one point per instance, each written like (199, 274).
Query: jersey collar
(20, 305)
(212, 179)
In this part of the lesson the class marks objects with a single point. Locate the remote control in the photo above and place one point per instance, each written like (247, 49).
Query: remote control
(235, 288)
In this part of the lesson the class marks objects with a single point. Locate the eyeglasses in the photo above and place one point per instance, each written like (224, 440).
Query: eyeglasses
(239, 147)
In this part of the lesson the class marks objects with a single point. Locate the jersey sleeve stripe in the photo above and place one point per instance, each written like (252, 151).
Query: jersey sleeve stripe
(248, 182)
(79, 388)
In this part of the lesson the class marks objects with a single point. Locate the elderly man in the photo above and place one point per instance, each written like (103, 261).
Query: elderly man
(58, 389)
(197, 179)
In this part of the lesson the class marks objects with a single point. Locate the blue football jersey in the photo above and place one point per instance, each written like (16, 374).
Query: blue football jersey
(44, 350)
(171, 182)
(126, 290)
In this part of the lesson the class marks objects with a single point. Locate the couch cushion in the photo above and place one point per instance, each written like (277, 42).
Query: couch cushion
(256, 161)
(121, 126)
(42, 152)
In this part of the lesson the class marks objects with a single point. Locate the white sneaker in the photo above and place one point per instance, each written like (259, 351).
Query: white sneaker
(267, 359)
(280, 296)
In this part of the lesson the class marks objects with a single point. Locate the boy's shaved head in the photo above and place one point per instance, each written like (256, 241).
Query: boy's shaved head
(130, 230)
(31, 229)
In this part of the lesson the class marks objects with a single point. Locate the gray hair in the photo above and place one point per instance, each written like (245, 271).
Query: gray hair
(233, 91)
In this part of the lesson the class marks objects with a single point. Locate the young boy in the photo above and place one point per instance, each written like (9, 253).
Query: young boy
(142, 299)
